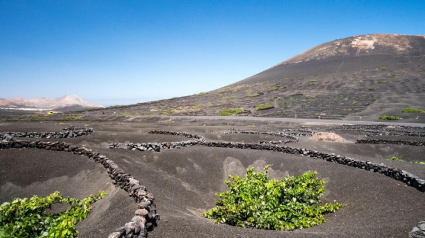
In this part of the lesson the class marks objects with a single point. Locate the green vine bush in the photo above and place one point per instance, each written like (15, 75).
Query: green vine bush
(389, 118)
(72, 118)
(27, 217)
(258, 202)
(263, 106)
(412, 110)
(230, 112)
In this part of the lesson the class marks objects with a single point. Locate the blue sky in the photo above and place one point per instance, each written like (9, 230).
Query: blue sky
(122, 52)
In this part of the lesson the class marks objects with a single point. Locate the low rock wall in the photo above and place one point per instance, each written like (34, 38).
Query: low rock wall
(280, 134)
(175, 133)
(157, 147)
(392, 142)
(146, 214)
(275, 142)
(383, 130)
(68, 132)
(394, 173)
(418, 231)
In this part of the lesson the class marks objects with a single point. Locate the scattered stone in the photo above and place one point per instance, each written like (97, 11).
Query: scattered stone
(141, 212)
(327, 137)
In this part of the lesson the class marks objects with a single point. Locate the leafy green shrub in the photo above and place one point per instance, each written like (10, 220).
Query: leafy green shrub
(230, 112)
(412, 110)
(263, 106)
(230, 98)
(313, 80)
(383, 68)
(286, 78)
(36, 118)
(396, 159)
(247, 91)
(28, 218)
(394, 75)
(372, 89)
(274, 88)
(165, 113)
(201, 94)
(389, 118)
(354, 102)
(381, 81)
(419, 162)
(72, 118)
(258, 202)
(228, 88)
(254, 95)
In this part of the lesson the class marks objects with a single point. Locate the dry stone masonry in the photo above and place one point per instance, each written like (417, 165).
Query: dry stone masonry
(146, 214)
(145, 217)
(383, 130)
(157, 147)
(292, 136)
(395, 173)
(275, 142)
(68, 132)
(401, 175)
(392, 142)
(418, 231)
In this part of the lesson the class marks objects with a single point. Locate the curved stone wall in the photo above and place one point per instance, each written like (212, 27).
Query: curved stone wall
(68, 132)
(292, 136)
(392, 142)
(146, 214)
(383, 130)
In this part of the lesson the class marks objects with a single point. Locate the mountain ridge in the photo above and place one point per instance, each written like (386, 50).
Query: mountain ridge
(358, 77)
(59, 103)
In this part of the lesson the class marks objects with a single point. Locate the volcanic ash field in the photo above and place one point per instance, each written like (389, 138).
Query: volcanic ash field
(167, 171)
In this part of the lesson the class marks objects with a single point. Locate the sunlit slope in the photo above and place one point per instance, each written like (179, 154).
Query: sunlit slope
(362, 76)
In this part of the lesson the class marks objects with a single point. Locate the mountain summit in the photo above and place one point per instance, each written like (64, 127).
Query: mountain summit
(359, 77)
(65, 103)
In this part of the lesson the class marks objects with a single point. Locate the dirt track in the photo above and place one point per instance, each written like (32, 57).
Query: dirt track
(184, 181)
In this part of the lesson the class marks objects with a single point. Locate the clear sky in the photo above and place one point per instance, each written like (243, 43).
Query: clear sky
(122, 52)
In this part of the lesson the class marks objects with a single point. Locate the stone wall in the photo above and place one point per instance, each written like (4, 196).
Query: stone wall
(395, 173)
(292, 136)
(392, 142)
(68, 132)
(418, 231)
(146, 214)
(383, 130)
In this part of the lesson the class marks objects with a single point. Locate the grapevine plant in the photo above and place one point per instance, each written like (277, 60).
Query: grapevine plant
(27, 217)
(258, 202)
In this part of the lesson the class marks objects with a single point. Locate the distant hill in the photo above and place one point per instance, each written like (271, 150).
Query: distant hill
(359, 77)
(65, 103)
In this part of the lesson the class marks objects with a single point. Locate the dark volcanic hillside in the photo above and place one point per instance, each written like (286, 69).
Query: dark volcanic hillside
(367, 76)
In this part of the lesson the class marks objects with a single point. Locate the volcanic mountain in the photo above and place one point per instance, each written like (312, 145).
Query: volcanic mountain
(65, 103)
(352, 78)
